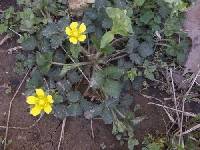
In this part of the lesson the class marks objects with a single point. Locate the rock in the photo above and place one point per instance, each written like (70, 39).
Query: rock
(78, 6)
(192, 27)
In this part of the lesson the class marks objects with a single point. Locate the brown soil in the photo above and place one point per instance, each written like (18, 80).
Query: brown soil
(45, 135)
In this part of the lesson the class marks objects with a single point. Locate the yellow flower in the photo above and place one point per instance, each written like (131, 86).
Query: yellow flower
(75, 32)
(40, 102)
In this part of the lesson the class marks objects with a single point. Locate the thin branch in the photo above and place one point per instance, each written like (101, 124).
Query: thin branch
(62, 133)
(10, 107)
(192, 129)
(91, 126)
(4, 39)
(78, 67)
(184, 99)
(189, 114)
(174, 97)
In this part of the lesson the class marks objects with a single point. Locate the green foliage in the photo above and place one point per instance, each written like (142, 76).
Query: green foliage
(121, 25)
(43, 61)
(108, 80)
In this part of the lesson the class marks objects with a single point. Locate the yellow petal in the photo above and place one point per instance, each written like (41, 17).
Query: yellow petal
(73, 40)
(39, 92)
(36, 110)
(31, 100)
(47, 109)
(68, 31)
(50, 99)
(82, 28)
(82, 38)
(74, 25)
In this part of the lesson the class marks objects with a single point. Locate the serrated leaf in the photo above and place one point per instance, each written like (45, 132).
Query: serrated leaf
(74, 110)
(139, 2)
(106, 39)
(35, 81)
(44, 61)
(86, 105)
(107, 116)
(50, 30)
(75, 50)
(60, 111)
(57, 40)
(136, 58)
(132, 45)
(74, 96)
(112, 88)
(73, 76)
(29, 44)
(146, 17)
(132, 143)
(121, 22)
(145, 49)
(57, 99)
(3, 28)
(63, 23)
(63, 86)
(94, 112)
(113, 72)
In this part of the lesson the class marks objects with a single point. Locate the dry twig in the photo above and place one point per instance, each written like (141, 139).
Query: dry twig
(62, 133)
(10, 107)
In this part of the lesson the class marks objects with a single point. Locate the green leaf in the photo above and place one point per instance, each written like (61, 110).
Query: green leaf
(29, 44)
(57, 99)
(94, 112)
(60, 111)
(147, 16)
(132, 73)
(36, 80)
(112, 88)
(74, 110)
(121, 22)
(57, 40)
(113, 72)
(9, 12)
(50, 30)
(106, 39)
(132, 143)
(107, 116)
(73, 76)
(68, 67)
(44, 61)
(139, 2)
(136, 58)
(149, 74)
(3, 28)
(75, 50)
(145, 49)
(74, 96)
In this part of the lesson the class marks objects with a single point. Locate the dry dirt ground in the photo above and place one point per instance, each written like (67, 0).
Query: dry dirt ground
(45, 135)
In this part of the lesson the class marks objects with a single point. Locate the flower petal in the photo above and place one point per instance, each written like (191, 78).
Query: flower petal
(82, 28)
(47, 109)
(36, 110)
(31, 100)
(68, 31)
(82, 38)
(39, 92)
(73, 40)
(74, 25)
(50, 99)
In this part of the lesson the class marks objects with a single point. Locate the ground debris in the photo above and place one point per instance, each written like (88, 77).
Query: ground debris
(77, 6)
